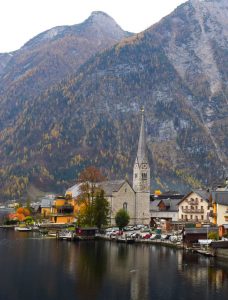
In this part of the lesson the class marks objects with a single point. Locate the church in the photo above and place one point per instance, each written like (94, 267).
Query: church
(135, 198)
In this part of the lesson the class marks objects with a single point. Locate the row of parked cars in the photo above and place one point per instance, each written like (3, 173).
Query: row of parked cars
(130, 230)
(142, 232)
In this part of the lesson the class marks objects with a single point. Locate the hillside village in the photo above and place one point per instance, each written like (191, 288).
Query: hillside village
(168, 210)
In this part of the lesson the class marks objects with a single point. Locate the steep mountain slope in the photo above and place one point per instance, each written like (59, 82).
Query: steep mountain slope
(4, 59)
(177, 69)
(49, 57)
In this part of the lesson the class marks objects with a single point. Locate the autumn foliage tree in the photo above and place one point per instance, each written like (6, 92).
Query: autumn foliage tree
(21, 214)
(95, 207)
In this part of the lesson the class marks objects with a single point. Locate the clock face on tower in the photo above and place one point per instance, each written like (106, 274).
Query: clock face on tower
(144, 166)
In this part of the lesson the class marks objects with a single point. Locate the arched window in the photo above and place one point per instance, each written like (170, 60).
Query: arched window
(125, 206)
(144, 176)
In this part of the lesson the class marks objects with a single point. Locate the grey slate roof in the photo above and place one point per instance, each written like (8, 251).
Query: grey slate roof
(141, 153)
(220, 197)
(172, 204)
(45, 202)
(154, 205)
(74, 190)
(111, 186)
(202, 193)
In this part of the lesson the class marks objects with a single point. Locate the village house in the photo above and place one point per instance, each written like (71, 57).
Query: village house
(220, 207)
(164, 209)
(63, 210)
(195, 207)
(59, 209)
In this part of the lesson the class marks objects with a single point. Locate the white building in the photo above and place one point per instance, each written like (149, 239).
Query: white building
(195, 207)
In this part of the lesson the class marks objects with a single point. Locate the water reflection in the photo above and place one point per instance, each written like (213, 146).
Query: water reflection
(47, 269)
(202, 271)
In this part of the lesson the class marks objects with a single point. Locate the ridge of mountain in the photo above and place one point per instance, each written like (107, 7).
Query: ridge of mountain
(177, 68)
(49, 57)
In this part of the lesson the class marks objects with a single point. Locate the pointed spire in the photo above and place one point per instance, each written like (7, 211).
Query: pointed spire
(141, 153)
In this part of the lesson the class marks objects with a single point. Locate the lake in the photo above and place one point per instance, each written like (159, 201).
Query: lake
(33, 268)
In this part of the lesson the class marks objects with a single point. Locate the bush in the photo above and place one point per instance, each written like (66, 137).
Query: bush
(122, 218)
(213, 235)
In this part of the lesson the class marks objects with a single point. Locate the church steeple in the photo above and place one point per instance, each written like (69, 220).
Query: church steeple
(141, 172)
(141, 153)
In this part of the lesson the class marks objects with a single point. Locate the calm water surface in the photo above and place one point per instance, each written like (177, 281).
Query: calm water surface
(45, 269)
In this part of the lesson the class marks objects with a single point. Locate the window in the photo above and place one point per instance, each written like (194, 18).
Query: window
(136, 175)
(182, 217)
(125, 190)
(125, 206)
(191, 217)
(144, 176)
(201, 217)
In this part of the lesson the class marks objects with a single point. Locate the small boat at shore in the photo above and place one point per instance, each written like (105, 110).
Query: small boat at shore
(66, 235)
(18, 228)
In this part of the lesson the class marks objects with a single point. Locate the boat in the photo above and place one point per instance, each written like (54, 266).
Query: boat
(52, 233)
(66, 235)
(205, 252)
(18, 228)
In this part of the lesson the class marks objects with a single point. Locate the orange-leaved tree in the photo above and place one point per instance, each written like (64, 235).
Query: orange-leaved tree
(89, 179)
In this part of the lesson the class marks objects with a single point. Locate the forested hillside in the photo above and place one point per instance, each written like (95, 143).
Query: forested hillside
(177, 69)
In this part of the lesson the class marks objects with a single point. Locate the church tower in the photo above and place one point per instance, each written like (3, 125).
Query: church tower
(141, 179)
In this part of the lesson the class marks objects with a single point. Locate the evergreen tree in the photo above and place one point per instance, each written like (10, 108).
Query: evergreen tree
(122, 218)
(100, 210)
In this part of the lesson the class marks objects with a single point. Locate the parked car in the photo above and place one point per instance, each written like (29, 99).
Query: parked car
(128, 228)
(155, 236)
(134, 235)
(111, 231)
(138, 226)
(165, 237)
(146, 236)
(145, 229)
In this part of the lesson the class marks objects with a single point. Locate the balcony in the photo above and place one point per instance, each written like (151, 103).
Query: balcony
(193, 210)
(64, 209)
(193, 202)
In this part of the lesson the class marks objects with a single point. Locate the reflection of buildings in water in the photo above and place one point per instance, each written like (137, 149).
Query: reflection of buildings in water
(199, 271)
(130, 264)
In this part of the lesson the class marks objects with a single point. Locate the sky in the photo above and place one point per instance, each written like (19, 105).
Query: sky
(21, 20)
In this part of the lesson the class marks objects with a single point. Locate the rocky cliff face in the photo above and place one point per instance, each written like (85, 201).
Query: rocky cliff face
(195, 41)
(177, 69)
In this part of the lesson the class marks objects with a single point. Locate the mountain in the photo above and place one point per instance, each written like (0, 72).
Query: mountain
(177, 69)
(49, 57)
